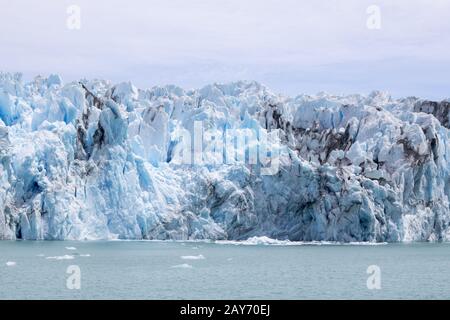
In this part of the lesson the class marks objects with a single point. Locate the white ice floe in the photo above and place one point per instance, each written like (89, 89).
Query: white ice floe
(198, 257)
(85, 255)
(71, 248)
(182, 266)
(253, 241)
(64, 257)
(11, 263)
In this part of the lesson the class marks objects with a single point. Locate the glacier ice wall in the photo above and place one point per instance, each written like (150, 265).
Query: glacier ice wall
(93, 160)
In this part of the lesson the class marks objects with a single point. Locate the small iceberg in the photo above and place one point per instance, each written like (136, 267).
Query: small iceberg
(64, 257)
(199, 257)
(71, 248)
(10, 263)
(183, 266)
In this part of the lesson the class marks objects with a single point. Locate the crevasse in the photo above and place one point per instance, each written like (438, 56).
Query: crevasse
(93, 160)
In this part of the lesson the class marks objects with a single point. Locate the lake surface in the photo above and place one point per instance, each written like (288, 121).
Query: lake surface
(201, 270)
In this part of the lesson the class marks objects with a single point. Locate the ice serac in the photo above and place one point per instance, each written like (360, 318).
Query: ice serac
(93, 160)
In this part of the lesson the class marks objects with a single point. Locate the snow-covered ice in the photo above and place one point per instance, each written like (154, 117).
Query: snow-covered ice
(94, 160)
(71, 248)
(11, 263)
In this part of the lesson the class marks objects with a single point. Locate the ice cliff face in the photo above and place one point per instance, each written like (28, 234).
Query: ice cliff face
(92, 160)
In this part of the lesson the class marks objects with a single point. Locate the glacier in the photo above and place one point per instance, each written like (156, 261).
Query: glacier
(92, 160)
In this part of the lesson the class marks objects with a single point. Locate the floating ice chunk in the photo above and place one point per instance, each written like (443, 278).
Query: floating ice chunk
(10, 263)
(259, 241)
(199, 257)
(64, 257)
(363, 243)
(268, 241)
(182, 266)
(71, 248)
(85, 255)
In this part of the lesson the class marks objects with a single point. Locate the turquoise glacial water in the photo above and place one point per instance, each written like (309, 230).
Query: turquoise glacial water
(160, 270)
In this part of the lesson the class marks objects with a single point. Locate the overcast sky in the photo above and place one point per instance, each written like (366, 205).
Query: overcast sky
(292, 46)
